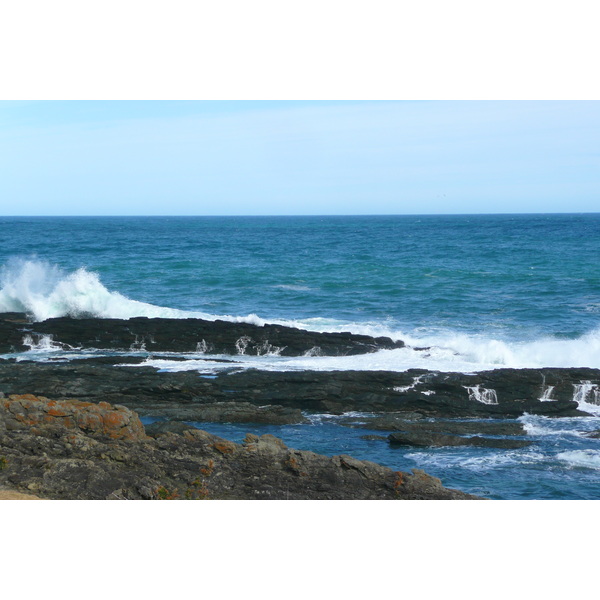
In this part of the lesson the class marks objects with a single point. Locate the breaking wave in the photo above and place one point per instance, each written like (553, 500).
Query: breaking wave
(589, 459)
(44, 291)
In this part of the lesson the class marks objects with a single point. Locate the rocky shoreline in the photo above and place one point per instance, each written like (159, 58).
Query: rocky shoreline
(71, 449)
(414, 408)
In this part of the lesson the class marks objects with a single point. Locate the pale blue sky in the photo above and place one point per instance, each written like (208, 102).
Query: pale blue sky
(269, 158)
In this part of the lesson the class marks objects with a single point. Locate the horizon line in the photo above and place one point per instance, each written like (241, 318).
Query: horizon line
(304, 215)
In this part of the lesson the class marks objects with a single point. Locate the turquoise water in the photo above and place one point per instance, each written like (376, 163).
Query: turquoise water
(483, 291)
(528, 274)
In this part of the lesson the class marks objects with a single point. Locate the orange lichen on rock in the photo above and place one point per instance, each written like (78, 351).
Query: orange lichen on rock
(26, 410)
(224, 447)
(56, 412)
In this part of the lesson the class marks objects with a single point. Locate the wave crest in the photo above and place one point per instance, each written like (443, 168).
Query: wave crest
(44, 291)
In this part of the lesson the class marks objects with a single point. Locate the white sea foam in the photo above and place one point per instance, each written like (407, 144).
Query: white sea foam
(483, 395)
(541, 426)
(324, 418)
(406, 388)
(293, 288)
(449, 458)
(581, 458)
(44, 343)
(547, 394)
(45, 291)
(587, 396)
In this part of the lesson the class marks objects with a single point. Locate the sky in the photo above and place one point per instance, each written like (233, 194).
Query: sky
(298, 157)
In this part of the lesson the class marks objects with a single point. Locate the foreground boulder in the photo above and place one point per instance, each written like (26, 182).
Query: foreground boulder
(73, 455)
(28, 411)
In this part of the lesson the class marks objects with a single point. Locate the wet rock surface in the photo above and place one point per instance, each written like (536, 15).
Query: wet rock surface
(413, 393)
(228, 412)
(53, 458)
(96, 447)
(184, 335)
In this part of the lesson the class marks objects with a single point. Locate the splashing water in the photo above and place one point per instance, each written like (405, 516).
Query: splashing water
(482, 395)
(44, 291)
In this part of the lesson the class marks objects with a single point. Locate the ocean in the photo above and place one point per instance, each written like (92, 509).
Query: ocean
(480, 291)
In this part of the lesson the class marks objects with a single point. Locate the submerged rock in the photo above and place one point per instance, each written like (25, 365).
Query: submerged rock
(432, 439)
(397, 422)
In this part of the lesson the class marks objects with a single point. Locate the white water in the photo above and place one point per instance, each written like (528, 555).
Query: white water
(542, 426)
(483, 395)
(581, 458)
(45, 291)
(587, 395)
(547, 394)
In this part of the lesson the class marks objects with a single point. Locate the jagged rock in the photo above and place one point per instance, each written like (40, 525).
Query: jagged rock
(57, 459)
(28, 411)
(162, 427)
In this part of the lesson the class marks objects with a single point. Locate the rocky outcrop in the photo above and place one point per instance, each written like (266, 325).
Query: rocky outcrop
(424, 433)
(184, 335)
(501, 393)
(53, 457)
(27, 411)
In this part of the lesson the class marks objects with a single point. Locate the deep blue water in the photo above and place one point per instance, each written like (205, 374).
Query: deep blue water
(485, 291)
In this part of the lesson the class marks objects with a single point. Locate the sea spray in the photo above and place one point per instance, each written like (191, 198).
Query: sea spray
(483, 395)
(44, 290)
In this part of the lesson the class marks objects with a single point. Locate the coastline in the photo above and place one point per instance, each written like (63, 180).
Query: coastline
(417, 408)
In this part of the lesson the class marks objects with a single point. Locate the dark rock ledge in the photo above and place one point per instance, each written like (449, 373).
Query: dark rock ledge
(413, 393)
(442, 432)
(184, 335)
(71, 449)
